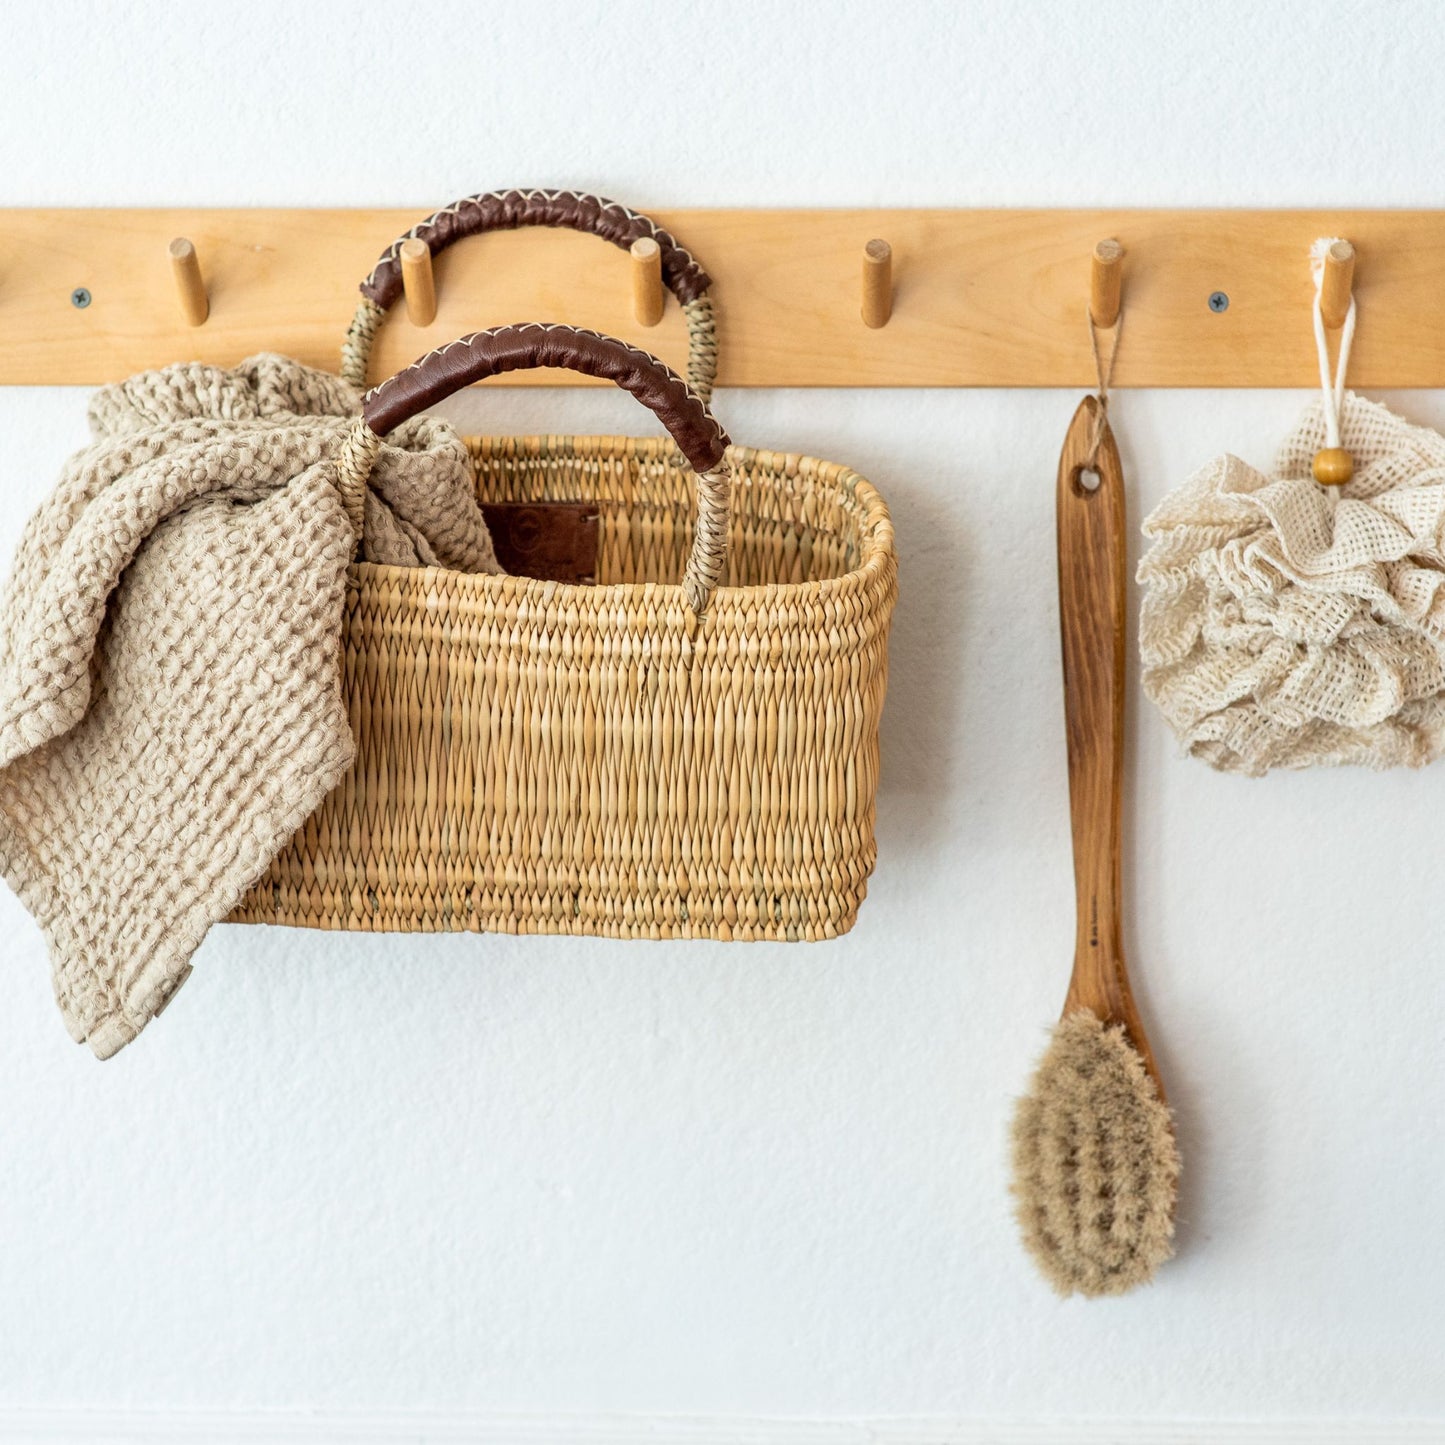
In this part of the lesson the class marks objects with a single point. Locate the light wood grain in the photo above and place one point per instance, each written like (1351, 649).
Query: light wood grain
(1093, 597)
(991, 297)
(418, 283)
(1337, 283)
(877, 284)
(1106, 280)
(648, 300)
(190, 286)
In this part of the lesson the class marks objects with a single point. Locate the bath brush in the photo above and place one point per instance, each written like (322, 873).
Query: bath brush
(1094, 1158)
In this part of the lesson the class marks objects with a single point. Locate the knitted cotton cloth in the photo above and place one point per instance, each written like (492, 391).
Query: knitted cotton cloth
(1286, 626)
(170, 699)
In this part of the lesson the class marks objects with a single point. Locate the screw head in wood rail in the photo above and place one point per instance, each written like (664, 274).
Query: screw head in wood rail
(1106, 283)
(877, 283)
(190, 285)
(418, 282)
(1338, 284)
(647, 294)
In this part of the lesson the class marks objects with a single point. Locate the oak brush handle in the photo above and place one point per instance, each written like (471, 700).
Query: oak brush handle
(1092, 599)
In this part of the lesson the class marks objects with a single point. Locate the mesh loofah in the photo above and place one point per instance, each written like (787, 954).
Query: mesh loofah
(1095, 1166)
(1287, 626)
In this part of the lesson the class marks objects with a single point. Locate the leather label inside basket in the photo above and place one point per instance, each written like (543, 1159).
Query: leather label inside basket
(553, 541)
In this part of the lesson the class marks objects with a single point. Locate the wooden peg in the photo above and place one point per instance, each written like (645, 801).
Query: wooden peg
(877, 283)
(1106, 278)
(1338, 284)
(190, 285)
(418, 282)
(647, 297)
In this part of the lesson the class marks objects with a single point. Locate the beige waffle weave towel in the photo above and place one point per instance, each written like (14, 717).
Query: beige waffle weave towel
(1283, 626)
(170, 703)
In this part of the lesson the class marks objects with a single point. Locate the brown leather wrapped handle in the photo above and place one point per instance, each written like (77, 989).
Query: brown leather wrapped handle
(459, 364)
(514, 209)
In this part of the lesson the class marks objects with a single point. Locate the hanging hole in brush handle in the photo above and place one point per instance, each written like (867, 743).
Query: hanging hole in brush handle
(530, 345)
(512, 210)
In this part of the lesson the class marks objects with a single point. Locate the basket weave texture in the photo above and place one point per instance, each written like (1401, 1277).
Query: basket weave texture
(541, 757)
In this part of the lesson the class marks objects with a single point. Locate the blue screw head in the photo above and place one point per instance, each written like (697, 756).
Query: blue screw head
(1218, 302)
(80, 298)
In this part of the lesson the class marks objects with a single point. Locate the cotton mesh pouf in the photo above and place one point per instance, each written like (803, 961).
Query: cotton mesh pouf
(1286, 625)
(1296, 619)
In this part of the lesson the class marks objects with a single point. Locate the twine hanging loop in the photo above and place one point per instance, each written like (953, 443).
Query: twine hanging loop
(1104, 373)
(1333, 465)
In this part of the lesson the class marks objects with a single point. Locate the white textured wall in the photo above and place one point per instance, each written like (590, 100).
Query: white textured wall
(484, 1175)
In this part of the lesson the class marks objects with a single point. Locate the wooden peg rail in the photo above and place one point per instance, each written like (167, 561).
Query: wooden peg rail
(978, 297)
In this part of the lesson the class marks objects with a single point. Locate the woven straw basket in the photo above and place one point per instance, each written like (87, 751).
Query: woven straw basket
(636, 758)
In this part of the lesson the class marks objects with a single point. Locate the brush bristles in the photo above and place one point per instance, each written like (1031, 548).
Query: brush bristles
(1096, 1169)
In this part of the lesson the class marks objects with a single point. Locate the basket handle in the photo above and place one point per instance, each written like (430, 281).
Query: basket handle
(523, 347)
(510, 211)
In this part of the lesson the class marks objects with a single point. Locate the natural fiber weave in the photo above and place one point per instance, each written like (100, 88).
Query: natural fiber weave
(169, 657)
(1284, 628)
(537, 757)
(655, 756)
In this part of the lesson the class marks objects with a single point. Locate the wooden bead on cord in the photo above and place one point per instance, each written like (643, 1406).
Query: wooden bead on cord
(1333, 466)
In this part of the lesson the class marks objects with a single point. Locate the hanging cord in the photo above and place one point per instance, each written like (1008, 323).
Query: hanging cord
(1333, 466)
(1104, 371)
